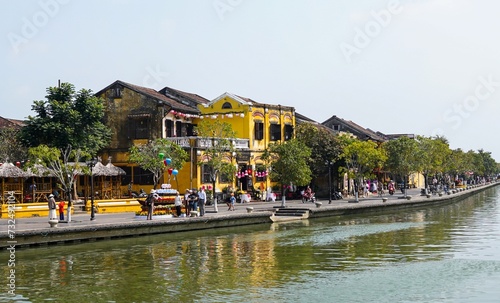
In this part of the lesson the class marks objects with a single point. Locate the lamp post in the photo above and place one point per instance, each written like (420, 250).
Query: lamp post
(91, 163)
(329, 163)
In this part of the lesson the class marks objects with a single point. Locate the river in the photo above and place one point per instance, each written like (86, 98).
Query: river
(441, 254)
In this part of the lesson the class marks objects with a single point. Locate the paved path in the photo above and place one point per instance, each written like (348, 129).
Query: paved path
(83, 220)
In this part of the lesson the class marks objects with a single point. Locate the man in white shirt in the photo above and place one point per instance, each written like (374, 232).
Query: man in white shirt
(202, 198)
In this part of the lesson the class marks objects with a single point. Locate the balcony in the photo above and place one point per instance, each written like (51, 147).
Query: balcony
(201, 143)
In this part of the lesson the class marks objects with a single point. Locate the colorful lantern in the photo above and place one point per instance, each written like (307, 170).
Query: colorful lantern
(168, 161)
(161, 155)
(170, 170)
(175, 172)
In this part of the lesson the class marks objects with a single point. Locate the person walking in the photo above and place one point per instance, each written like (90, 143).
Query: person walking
(52, 208)
(232, 200)
(202, 198)
(150, 203)
(178, 204)
(193, 200)
(61, 210)
(186, 202)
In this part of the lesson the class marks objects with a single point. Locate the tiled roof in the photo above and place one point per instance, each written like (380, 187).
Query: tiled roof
(6, 122)
(367, 132)
(174, 104)
(194, 97)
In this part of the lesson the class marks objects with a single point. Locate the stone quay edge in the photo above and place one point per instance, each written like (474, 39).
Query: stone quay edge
(33, 232)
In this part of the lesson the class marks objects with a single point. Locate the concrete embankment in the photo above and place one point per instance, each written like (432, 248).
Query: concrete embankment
(26, 232)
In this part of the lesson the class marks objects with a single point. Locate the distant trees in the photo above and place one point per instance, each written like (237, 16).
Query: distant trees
(67, 118)
(288, 164)
(360, 158)
(324, 144)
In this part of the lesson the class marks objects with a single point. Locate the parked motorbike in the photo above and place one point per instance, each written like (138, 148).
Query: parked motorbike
(337, 195)
(306, 198)
(390, 188)
(140, 194)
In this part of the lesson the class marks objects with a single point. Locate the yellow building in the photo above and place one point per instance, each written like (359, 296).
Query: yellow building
(256, 126)
(138, 114)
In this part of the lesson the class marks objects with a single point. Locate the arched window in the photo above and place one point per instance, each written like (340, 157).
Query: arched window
(227, 105)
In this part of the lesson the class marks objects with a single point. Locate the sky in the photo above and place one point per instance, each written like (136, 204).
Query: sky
(424, 67)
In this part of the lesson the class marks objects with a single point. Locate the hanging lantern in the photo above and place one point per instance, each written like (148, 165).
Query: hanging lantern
(161, 155)
(168, 161)
(170, 170)
(18, 164)
(229, 115)
(242, 115)
(165, 162)
(175, 172)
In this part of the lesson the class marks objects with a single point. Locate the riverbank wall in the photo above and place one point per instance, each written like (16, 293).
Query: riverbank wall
(32, 232)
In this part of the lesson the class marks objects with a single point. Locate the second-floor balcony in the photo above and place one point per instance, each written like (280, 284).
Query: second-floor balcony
(203, 143)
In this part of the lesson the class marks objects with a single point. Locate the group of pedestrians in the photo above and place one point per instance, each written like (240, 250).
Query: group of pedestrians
(194, 200)
(53, 206)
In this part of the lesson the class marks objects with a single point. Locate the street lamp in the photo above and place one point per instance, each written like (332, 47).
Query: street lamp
(91, 164)
(329, 163)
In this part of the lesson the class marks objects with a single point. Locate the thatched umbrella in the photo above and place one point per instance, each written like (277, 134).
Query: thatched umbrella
(38, 173)
(114, 170)
(9, 170)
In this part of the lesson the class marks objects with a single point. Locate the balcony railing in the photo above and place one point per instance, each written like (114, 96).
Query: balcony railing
(202, 143)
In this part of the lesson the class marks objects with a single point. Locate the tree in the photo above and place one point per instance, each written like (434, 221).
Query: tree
(361, 158)
(147, 157)
(487, 162)
(67, 118)
(217, 136)
(433, 151)
(323, 142)
(11, 148)
(404, 157)
(65, 165)
(288, 162)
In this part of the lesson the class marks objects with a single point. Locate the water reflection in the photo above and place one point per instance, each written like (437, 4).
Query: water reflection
(372, 256)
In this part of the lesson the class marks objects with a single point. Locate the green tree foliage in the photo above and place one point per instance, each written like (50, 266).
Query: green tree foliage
(147, 157)
(404, 156)
(324, 144)
(456, 162)
(11, 148)
(361, 158)
(67, 118)
(217, 136)
(288, 162)
(434, 151)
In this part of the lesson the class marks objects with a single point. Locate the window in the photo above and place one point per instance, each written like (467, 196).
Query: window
(139, 128)
(224, 178)
(142, 177)
(115, 92)
(169, 128)
(336, 127)
(258, 130)
(178, 129)
(206, 176)
(288, 132)
(190, 130)
(275, 132)
(227, 105)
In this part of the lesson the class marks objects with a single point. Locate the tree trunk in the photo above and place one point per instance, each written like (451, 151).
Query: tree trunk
(69, 205)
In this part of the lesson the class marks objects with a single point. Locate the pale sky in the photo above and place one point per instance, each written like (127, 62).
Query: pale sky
(410, 66)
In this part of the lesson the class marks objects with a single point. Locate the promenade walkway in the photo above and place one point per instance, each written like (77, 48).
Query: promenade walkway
(33, 231)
